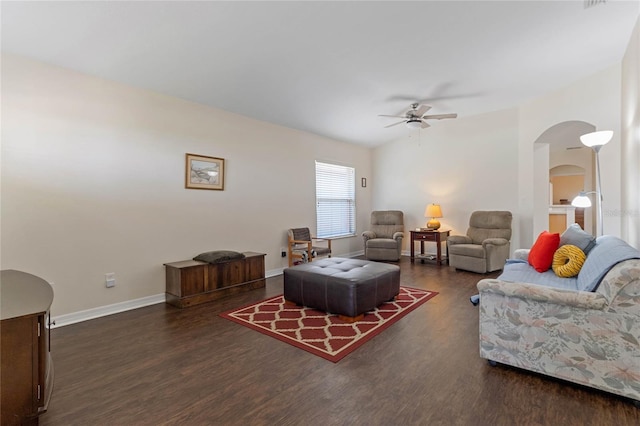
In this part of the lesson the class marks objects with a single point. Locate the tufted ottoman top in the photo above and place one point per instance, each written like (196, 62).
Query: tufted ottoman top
(344, 269)
(347, 287)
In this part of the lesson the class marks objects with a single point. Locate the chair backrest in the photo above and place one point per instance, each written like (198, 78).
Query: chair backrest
(299, 234)
(387, 222)
(489, 224)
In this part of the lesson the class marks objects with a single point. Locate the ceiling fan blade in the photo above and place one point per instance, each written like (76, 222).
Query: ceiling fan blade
(422, 109)
(424, 125)
(394, 116)
(436, 95)
(395, 124)
(439, 116)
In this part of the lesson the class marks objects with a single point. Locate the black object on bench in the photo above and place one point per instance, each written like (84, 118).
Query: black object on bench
(218, 256)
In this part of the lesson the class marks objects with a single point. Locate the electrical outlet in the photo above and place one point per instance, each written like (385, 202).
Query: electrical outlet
(110, 279)
(283, 252)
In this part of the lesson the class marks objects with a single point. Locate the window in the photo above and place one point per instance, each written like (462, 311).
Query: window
(335, 200)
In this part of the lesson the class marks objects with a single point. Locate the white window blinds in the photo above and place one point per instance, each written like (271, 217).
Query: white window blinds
(335, 200)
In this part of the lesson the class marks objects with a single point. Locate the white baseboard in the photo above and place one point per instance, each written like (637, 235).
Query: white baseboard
(354, 254)
(274, 272)
(103, 311)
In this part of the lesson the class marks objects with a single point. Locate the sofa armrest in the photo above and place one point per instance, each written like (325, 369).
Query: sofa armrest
(495, 242)
(521, 254)
(398, 236)
(621, 287)
(459, 239)
(538, 293)
(368, 235)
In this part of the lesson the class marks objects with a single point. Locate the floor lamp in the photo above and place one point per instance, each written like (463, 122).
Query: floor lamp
(595, 141)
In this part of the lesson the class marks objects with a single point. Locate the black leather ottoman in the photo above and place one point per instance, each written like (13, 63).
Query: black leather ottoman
(347, 287)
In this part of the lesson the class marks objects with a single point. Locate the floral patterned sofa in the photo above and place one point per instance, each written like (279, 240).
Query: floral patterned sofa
(588, 337)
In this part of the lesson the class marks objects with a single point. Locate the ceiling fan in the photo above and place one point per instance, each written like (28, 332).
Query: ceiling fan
(415, 117)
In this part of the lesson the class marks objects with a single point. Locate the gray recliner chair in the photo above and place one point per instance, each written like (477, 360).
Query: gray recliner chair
(383, 241)
(486, 246)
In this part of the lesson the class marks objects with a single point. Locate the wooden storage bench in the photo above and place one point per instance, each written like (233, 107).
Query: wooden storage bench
(190, 282)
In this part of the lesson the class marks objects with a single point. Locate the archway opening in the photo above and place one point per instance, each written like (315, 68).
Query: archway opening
(568, 169)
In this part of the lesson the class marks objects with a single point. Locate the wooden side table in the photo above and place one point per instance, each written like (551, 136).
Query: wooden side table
(437, 237)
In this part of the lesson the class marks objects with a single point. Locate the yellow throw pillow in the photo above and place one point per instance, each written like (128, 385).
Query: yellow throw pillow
(568, 260)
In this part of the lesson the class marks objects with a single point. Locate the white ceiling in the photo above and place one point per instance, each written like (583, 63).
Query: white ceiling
(329, 67)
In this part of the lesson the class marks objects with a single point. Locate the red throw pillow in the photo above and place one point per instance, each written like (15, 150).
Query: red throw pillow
(541, 254)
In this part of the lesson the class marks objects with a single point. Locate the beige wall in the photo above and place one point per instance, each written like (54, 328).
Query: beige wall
(630, 139)
(566, 187)
(93, 182)
(464, 164)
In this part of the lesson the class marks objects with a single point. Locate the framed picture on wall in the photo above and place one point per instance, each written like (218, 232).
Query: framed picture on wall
(204, 172)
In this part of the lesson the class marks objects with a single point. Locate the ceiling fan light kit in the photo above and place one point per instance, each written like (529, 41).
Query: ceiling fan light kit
(414, 123)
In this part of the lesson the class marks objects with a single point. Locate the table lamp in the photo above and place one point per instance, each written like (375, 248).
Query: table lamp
(433, 211)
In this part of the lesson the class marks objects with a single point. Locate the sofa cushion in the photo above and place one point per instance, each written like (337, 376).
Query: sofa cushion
(541, 254)
(567, 261)
(470, 250)
(386, 243)
(574, 235)
(607, 252)
(519, 271)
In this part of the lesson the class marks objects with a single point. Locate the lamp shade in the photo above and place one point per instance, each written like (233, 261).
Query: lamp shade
(596, 138)
(433, 210)
(581, 200)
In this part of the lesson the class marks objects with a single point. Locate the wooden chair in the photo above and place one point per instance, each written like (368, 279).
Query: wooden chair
(301, 246)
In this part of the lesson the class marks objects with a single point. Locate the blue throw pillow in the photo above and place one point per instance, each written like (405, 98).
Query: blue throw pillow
(575, 236)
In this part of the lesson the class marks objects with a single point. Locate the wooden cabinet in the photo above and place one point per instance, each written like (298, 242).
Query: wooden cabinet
(26, 374)
(190, 282)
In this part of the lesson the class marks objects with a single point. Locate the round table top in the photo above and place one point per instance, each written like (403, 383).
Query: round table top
(23, 294)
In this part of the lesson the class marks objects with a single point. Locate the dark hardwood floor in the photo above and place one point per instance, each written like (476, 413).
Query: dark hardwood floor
(162, 365)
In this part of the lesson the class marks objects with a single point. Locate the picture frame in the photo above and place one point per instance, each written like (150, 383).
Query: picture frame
(204, 172)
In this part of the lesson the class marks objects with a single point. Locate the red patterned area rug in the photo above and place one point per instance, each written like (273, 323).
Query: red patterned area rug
(320, 333)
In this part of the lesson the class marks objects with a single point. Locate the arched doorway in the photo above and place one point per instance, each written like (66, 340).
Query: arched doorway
(569, 163)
